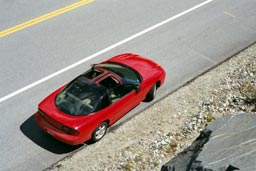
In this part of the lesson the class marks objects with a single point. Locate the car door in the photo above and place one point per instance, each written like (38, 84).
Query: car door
(124, 104)
(122, 97)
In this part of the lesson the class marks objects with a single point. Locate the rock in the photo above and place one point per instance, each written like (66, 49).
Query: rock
(232, 142)
(231, 146)
(185, 159)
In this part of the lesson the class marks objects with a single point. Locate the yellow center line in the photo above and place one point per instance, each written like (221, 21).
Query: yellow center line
(44, 17)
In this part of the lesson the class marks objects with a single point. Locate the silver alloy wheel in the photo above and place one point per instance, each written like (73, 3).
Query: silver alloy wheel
(100, 132)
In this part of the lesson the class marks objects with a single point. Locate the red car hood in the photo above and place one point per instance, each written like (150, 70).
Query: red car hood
(142, 65)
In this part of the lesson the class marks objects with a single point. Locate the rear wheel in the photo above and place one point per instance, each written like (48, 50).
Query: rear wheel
(151, 94)
(99, 132)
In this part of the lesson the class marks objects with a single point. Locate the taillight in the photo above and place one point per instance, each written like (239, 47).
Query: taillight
(69, 130)
(41, 112)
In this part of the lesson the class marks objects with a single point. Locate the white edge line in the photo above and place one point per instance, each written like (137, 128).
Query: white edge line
(103, 51)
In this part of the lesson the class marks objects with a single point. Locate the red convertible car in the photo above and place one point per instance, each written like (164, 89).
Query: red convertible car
(84, 108)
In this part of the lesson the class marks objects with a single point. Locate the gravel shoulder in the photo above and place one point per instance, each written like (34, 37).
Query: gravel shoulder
(159, 133)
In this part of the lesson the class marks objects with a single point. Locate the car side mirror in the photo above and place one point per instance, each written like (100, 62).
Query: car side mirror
(137, 88)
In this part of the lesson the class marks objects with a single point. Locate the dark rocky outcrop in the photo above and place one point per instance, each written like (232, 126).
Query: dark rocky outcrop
(231, 147)
(186, 160)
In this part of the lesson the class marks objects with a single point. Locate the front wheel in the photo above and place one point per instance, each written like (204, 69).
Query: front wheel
(99, 132)
(151, 94)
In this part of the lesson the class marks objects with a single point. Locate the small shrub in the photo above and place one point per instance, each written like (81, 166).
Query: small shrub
(209, 117)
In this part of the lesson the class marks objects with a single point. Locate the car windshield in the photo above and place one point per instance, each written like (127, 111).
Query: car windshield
(82, 96)
(126, 73)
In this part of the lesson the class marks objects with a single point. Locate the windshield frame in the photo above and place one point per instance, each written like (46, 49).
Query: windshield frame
(125, 76)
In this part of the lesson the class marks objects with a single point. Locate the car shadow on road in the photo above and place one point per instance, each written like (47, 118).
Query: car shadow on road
(31, 130)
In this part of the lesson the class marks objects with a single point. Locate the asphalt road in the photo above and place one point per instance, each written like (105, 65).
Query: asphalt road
(186, 39)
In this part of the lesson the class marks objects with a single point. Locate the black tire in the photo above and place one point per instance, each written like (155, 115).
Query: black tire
(99, 132)
(151, 94)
